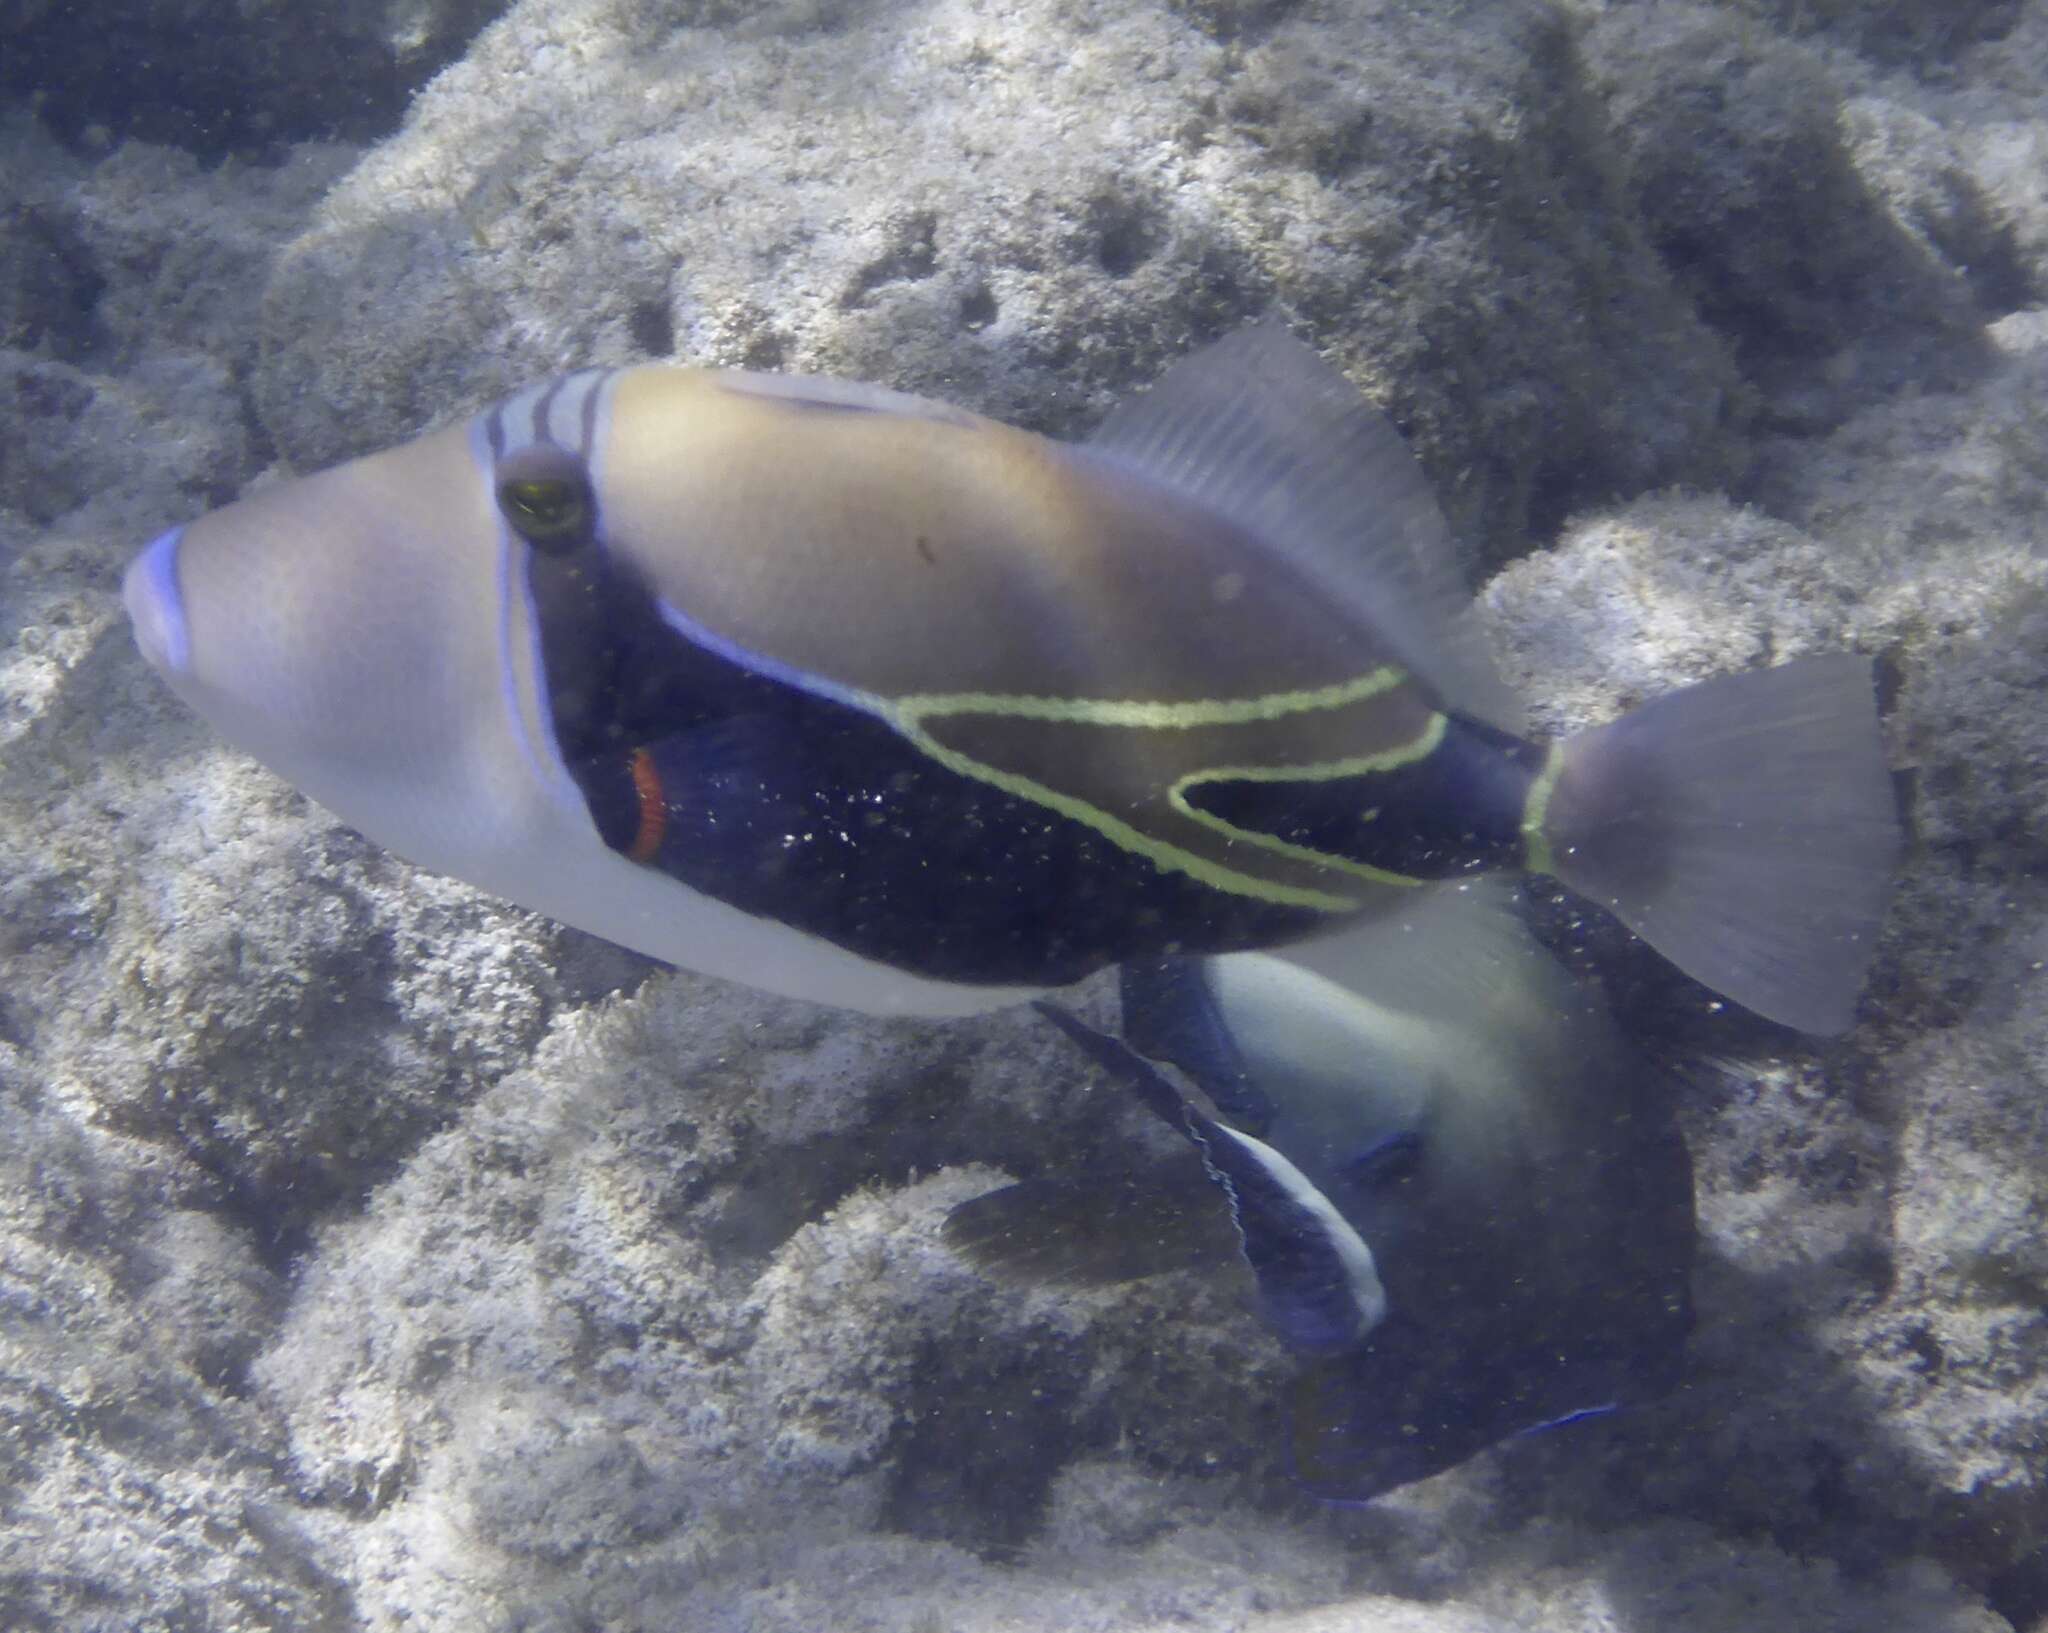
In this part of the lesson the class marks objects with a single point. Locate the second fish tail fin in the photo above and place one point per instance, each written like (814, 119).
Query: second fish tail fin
(1745, 827)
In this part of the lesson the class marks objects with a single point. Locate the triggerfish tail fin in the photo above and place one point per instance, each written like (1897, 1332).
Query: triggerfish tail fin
(1745, 827)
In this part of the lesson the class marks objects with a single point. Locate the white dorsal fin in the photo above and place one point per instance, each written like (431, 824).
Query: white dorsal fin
(1260, 428)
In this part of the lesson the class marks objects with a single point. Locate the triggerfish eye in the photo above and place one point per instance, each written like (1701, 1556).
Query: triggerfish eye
(544, 495)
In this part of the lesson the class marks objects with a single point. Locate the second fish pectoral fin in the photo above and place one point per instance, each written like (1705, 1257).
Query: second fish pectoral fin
(1119, 1059)
(1096, 1227)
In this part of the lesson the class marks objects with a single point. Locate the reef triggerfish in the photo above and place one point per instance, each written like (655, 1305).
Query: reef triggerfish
(1464, 1201)
(857, 697)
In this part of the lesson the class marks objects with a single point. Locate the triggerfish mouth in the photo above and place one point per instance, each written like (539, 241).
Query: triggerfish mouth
(1463, 1200)
(860, 698)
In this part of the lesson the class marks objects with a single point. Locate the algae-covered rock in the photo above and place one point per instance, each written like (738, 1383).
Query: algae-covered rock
(374, 1256)
(219, 76)
(1024, 205)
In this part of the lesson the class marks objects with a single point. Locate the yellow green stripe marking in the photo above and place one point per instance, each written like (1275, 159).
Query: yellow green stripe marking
(1162, 854)
(909, 713)
(1536, 854)
(1420, 747)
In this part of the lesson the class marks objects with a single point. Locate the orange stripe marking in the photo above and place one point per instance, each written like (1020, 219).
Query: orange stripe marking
(653, 807)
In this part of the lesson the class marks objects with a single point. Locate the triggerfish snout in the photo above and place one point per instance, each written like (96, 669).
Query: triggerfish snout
(341, 643)
(356, 647)
(864, 699)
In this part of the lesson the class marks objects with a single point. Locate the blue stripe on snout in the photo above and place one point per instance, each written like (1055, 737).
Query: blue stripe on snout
(161, 608)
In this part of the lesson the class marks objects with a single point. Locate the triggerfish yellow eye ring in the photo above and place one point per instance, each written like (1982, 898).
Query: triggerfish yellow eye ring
(544, 496)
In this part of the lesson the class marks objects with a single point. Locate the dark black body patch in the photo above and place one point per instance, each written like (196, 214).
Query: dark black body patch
(1170, 1014)
(1458, 809)
(815, 814)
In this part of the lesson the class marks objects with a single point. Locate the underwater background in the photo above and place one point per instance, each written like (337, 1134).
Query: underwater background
(373, 1255)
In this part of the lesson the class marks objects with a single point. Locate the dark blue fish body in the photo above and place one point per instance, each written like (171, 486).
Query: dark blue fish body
(1464, 1201)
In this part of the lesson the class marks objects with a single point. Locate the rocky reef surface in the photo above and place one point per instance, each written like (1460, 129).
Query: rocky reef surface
(375, 1256)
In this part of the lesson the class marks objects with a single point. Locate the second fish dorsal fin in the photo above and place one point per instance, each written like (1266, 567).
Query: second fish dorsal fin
(1260, 428)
